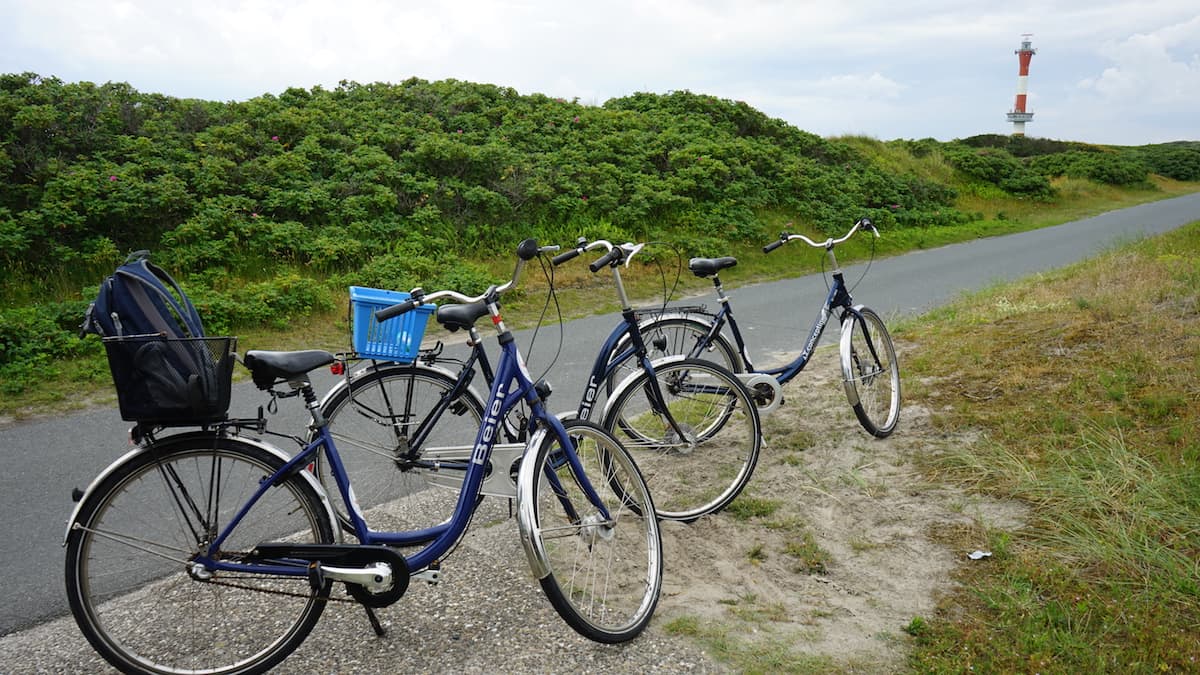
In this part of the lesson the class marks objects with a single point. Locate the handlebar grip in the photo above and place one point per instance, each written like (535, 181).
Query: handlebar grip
(569, 254)
(605, 259)
(772, 246)
(395, 310)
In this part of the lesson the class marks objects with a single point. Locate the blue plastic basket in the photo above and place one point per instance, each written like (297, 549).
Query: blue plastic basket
(398, 338)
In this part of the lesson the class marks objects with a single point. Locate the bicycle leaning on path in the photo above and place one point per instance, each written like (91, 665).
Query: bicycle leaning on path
(870, 372)
(211, 552)
(691, 425)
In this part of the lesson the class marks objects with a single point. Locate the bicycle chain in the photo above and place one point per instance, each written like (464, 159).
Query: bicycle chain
(268, 591)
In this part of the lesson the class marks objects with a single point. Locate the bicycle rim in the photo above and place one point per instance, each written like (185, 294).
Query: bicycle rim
(700, 457)
(603, 576)
(130, 582)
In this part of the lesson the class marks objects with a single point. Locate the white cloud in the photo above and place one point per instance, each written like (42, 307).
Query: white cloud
(1145, 72)
(941, 68)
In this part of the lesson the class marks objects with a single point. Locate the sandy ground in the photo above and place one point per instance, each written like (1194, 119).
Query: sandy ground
(866, 515)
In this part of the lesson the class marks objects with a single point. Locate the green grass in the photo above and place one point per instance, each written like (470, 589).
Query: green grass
(1083, 384)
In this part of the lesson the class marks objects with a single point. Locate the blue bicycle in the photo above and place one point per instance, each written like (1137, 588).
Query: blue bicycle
(870, 372)
(212, 552)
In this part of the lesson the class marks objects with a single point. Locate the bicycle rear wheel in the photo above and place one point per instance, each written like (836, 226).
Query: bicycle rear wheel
(675, 336)
(870, 372)
(373, 421)
(603, 576)
(703, 469)
(130, 580)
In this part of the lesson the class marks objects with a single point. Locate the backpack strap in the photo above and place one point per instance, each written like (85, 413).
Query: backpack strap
(147, 291)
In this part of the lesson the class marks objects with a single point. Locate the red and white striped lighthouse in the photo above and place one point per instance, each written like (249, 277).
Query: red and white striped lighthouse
(1019, 116)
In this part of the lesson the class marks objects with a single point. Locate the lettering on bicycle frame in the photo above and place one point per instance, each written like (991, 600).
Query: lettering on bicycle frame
(816, 334)
(589, 398)
(489, 429)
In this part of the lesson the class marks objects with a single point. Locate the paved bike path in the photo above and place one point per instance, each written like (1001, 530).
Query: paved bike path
(44, 459)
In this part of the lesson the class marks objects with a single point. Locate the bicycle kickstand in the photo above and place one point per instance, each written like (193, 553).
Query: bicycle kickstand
(375, 625)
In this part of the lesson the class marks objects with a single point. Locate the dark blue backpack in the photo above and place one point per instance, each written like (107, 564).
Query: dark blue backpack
(140, 298)
(164, 368)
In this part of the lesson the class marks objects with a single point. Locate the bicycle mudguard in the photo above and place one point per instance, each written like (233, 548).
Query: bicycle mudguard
(526, 506)
(851, 314)
(645, 317)
(166, 443)
(344, 382)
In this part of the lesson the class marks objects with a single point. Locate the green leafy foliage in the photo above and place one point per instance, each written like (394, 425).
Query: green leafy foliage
(999, 168)
(265, 207)
(1102, 167)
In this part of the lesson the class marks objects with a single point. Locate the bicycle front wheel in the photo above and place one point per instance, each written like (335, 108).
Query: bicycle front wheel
(694, 432)
(603, 575)
(870, 372)
(130, 579)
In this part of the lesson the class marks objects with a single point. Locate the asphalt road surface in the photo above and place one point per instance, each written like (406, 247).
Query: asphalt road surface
(44, 459)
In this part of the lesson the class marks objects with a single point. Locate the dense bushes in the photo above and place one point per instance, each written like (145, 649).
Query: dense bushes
(1180, 161)
(330, 179)
(266, 207)
(1102, 167)
(998, 167)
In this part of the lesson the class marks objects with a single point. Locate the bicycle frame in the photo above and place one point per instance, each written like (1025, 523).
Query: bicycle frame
(512, 385)
(838, 297)
(603, 367)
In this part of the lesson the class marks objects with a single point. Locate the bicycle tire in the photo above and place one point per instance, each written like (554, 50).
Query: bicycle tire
(703, 472)
(370, 419)
(673, 336)
(867, 354)
(603, 578)
(146, 614)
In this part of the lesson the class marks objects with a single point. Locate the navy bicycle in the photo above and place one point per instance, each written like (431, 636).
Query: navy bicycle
(213, 552)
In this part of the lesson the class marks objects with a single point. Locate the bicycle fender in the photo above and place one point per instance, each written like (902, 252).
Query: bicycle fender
(170, 440)
(627, 382)
(686, 316)
(698, 317)
(345, 382)
(527, 477)
(854, 313)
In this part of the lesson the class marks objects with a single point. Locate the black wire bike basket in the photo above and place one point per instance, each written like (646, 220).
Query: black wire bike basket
(171, 381)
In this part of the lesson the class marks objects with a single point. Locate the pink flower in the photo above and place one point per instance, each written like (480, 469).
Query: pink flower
(460, 131)
(112, 178)
(274, 138)
(253, 215)
(577, 118)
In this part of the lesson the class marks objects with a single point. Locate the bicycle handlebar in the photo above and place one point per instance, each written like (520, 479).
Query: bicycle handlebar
(526, 250)
(784, 237)
(614, 255)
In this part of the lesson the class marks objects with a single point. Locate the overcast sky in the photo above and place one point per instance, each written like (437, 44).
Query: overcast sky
(1106, 71)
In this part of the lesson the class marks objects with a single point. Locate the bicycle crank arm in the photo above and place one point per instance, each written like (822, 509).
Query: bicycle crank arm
(376, 577)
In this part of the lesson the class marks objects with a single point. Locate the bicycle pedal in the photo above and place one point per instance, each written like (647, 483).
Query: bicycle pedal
(429, 575)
